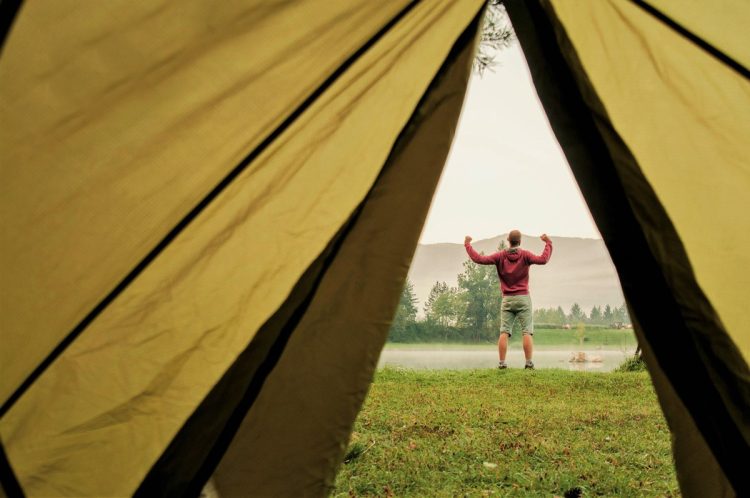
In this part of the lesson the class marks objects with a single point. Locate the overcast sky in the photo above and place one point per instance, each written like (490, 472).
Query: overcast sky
(505, 169)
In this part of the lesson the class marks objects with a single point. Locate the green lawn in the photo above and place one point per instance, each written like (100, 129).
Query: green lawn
(509, 433)
(547, 338)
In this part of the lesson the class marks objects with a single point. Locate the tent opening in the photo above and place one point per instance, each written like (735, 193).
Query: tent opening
(441, 416)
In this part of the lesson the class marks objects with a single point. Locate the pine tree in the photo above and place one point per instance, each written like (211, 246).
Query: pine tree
(407, 305)
(404, 321)
(576, 314)
(596, 315)
(559, 316)
(624, 313)
(497, 33)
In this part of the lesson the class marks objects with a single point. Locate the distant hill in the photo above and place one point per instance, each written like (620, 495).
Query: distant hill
(580, 271)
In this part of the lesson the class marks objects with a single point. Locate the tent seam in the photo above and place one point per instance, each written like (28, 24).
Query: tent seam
(692, 37)
(198, 209)
(276, 349)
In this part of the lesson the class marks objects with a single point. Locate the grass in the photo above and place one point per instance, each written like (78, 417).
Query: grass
(546, 338)
(508, 433)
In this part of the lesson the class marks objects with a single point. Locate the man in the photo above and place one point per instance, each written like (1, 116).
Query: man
(513, 269)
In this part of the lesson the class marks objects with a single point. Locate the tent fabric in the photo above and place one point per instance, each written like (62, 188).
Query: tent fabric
(721, 25)
(128, 380)
(366, 265)
(625, 166)
(8, 11)
(370, 267)
(209, 211)
(698, 471)
(690, 94)
(168, 85)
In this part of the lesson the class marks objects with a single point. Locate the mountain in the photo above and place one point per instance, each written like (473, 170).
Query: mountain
(580, 271)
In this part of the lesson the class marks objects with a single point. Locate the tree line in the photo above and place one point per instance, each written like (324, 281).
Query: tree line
(470, 312)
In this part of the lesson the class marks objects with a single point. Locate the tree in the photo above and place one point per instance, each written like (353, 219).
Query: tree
(407, 305)
(581, 333)
(497, 33)
(596, 315)
(620, 315)
(607, 315)
(406, 314)
(541, 315)
(625, 314)
(480, 296)
(441, 307)
(437, 289)
(550, 316)
(559, 316)
(576, 314)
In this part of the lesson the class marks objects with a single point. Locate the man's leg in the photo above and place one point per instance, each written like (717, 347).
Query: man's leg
(506, 324)
(526, 317)
(528, 346)
(502, 346)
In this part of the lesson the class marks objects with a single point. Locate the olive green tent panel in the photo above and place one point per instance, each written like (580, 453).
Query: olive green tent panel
(694, 148)
(118, 118)
(698, 472)
(723, 23)
(209, 211)
(652, 117)
(125, 387)
(370, 268)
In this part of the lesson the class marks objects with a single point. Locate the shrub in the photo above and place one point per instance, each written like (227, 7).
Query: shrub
(632, 364)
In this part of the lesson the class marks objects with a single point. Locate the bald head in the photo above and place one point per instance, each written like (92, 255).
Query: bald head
(514, 237)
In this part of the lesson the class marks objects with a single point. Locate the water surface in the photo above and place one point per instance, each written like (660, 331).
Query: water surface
(457, 358)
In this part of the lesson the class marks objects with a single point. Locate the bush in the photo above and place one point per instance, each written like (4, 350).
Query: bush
(632, 364)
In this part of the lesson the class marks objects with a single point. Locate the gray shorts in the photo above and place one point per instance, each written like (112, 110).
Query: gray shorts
(516, 308)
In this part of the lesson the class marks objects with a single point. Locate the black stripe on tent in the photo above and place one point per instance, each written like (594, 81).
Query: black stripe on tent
(191, 457)
(195, 452)
(697, 40)
(695, 352)
(11, 486)
(8, 12)
(184, 222)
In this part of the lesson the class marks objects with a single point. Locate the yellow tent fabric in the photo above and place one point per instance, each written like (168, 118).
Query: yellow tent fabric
(209, 211)
(120, 118)
(649, 101)
(288, 412)
(696, 158)
(128, 180)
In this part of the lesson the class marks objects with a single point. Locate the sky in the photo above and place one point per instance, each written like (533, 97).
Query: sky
(505, 170)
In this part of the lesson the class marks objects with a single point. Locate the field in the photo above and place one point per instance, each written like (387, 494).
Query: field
(554, 338)
(509, 433)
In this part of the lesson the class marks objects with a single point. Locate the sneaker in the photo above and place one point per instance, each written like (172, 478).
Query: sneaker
(502, 365)
(529, 365)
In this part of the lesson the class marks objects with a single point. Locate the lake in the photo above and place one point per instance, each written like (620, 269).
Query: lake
(458, 358)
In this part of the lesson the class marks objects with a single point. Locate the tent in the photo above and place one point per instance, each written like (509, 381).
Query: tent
(209, 209)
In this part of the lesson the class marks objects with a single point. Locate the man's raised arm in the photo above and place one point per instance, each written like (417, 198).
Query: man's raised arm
(544, 257)
(480, 258)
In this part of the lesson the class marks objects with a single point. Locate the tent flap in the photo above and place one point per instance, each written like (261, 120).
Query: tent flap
(678, 321)
(123, 390)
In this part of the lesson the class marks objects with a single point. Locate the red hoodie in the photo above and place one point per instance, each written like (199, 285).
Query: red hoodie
(512, 266)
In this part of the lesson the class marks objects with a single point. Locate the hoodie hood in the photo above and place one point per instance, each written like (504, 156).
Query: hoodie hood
(513, 254)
